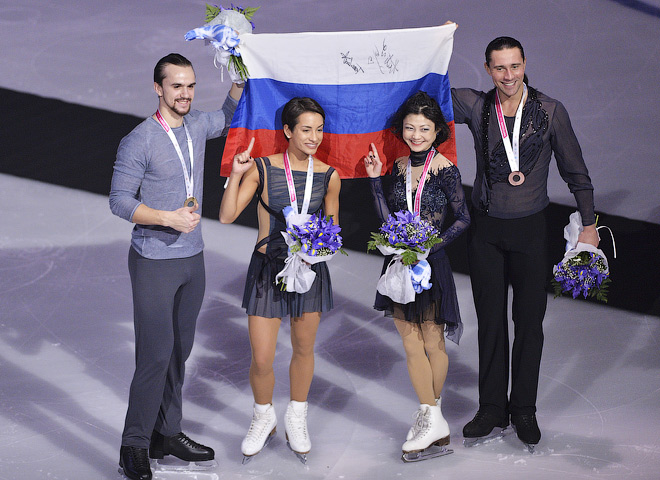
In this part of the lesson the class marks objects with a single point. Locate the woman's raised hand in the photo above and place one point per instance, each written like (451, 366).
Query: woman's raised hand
(372, 163)
(243, 161)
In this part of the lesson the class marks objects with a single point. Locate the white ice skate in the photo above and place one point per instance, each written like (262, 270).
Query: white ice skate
(411, 432)
(295, 425)
(261, 432)
(431, 436)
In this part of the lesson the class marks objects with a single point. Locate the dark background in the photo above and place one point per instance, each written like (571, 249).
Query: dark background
(74, 146)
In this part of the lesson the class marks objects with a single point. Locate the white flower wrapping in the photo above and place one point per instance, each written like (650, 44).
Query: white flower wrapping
(224, 32)
(402, 282)
(241, 26)
(573, 247)
(297, 273)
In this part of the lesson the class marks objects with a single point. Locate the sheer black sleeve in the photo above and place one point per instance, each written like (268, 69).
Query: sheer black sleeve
(380, 203)
(450, 183)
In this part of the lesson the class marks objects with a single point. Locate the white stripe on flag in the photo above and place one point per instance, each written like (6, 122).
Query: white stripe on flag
(344, 58)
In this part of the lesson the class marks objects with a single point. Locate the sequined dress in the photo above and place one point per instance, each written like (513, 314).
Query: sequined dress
(261, 296)
(443, 188)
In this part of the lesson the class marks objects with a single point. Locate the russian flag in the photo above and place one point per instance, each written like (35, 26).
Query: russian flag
(359, 78)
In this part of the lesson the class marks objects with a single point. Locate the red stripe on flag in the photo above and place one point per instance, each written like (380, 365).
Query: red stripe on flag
(345, 152)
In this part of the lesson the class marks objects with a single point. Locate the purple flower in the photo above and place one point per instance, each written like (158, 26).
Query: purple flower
(407, 229)
(319, 236)
(584, 274)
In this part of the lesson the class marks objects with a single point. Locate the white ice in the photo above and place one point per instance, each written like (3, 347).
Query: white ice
(66, 360)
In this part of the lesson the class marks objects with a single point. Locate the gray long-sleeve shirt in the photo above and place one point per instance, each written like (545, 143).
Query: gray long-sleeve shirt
(148, 171)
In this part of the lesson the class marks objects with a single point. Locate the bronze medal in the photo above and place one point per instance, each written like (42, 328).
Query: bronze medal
(516, 178)
(190, 202)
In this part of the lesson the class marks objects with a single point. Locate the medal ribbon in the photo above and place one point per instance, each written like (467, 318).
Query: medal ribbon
(512, 152)
(292, 187)
(420, 184)
(187, 178)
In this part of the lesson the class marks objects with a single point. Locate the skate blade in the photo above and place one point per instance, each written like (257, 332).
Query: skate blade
(496, 433)
(430, 452)
(123, 475)
(247, 458)
(174, 464)
(301, 456)
(531, 447)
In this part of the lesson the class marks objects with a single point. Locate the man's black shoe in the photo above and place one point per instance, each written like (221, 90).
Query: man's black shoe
(526, 428)
(180, 446)
(135, 463)
(483, 424)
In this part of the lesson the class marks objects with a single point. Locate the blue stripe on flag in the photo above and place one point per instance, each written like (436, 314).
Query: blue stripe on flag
(350, 109)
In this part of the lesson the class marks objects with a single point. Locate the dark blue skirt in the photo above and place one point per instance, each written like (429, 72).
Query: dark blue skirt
(263, 298)
(438, 304)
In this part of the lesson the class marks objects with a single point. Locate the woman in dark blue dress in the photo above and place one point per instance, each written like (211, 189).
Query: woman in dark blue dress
(422, 323)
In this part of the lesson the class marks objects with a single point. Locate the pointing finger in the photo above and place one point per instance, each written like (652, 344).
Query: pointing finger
(249, 149)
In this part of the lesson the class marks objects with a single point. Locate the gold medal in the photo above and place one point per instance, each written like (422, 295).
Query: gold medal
(516, 178)
(190, 202)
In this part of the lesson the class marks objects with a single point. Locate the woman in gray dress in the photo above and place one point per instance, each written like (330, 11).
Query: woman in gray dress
(280, 181)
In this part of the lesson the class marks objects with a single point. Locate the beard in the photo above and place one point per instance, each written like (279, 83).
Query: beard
(179, 109)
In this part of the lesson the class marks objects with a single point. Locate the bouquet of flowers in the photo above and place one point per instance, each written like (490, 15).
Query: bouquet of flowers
(409, 239)
(222, 30)
(311, 239)
(584, 268)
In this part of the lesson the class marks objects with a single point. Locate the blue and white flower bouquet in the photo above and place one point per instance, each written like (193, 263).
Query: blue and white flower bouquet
(584, 269)
(409, 239)
(311, 239)
(222, 30)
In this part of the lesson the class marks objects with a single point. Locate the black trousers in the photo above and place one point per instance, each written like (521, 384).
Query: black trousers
(167, 297)
(503, 252)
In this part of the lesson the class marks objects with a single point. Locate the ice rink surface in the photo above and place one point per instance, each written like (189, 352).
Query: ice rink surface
(66, 360)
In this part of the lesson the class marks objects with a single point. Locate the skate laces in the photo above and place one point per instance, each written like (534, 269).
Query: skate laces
(525, 421)
(139, 458)
(297, 423)
(188, 442)
(421, 421)
(259, 424)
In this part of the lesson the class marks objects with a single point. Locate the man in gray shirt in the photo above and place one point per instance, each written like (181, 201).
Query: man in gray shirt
(157, 184)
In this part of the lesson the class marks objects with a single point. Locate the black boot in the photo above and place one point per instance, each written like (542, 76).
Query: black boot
(135, 463)
(180, 446)
(483, 424)
(526, 428)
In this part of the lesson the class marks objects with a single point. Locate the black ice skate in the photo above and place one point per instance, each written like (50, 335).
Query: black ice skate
(178, 453)
(134, 463)
(527, 430)
(484, 428)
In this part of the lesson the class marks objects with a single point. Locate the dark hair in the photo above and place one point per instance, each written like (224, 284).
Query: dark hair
(171, 59)
(500, 43)
(296, 107)
(421, 103)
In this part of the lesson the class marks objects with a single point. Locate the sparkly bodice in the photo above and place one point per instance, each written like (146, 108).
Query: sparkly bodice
(442, 188)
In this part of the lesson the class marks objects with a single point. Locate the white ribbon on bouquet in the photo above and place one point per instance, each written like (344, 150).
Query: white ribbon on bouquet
(402, 282)
(573, 247)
